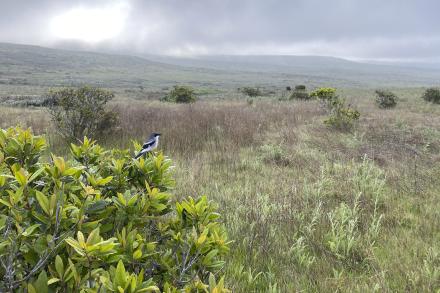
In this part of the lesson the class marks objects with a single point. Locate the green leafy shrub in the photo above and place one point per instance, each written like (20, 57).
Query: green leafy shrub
(432, 95)
(341, 117)
(386, 99)
(81, 112)
(251, 91)
(299, 93)
(181, 94)
(101, 222)
(326, 95)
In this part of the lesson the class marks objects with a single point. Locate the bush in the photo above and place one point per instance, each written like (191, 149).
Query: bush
(327, 96)
(81, 112)
(432, 95)
(299, 93)
(324, 94)
(251, 91)
(101, 222)
(342, 117)
(386, 99)
(181, 94)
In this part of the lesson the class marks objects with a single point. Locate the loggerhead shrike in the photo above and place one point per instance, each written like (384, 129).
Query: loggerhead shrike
(149, 145)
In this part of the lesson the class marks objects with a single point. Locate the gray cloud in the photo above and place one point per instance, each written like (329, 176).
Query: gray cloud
(370, 29)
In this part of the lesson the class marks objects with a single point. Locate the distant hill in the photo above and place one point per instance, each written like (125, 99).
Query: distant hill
(38, 66)
(358, 73)
(28, 69)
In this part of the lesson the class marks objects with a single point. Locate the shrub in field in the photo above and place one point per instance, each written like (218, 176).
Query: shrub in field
(181, 94)
(324, 93)
(81, 112)
(251, 91)
(386, 99)
(432, 95)
(101, 222)
(299, 93)
(327, 96)
(342, 117)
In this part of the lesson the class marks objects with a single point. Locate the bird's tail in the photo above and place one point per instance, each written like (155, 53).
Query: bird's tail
(140, 155)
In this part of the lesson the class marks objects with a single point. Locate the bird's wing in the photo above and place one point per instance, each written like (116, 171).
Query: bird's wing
(148, 143)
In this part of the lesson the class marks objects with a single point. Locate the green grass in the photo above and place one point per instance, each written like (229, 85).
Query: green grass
(308, 208)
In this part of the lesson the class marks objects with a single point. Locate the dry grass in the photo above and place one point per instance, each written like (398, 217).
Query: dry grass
(224, 126)
(279, 175)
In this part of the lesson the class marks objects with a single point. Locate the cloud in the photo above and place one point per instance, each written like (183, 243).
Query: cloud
(374, 29)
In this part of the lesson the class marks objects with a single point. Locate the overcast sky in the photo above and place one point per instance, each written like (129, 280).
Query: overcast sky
(359, 29)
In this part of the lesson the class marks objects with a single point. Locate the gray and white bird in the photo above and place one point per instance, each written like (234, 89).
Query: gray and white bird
(149, 145)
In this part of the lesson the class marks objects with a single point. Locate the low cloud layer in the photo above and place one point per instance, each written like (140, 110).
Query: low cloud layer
(359, 29)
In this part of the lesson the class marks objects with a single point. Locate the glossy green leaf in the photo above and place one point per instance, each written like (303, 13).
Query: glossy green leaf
(43, 201)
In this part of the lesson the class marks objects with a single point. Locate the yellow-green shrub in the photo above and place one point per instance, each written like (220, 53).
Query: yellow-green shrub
(342, 117)
(101, 222)
(326, 95)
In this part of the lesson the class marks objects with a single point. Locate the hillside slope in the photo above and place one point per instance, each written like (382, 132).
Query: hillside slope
(28, 69)
(355, 73)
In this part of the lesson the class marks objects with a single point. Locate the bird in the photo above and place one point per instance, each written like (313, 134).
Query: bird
(149, 145)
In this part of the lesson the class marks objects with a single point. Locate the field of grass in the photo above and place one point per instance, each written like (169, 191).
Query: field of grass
(308, 208)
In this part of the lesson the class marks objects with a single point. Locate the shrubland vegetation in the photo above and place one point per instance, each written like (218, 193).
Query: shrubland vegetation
(386, 99)
(306, 208)
(180, 94)
(80, 112)
(101, 222)
(341, 116)
(326, 96)
(299, 93)
(251, 91)
(432, 95)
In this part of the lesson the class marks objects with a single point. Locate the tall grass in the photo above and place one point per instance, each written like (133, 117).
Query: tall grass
(308, 208)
